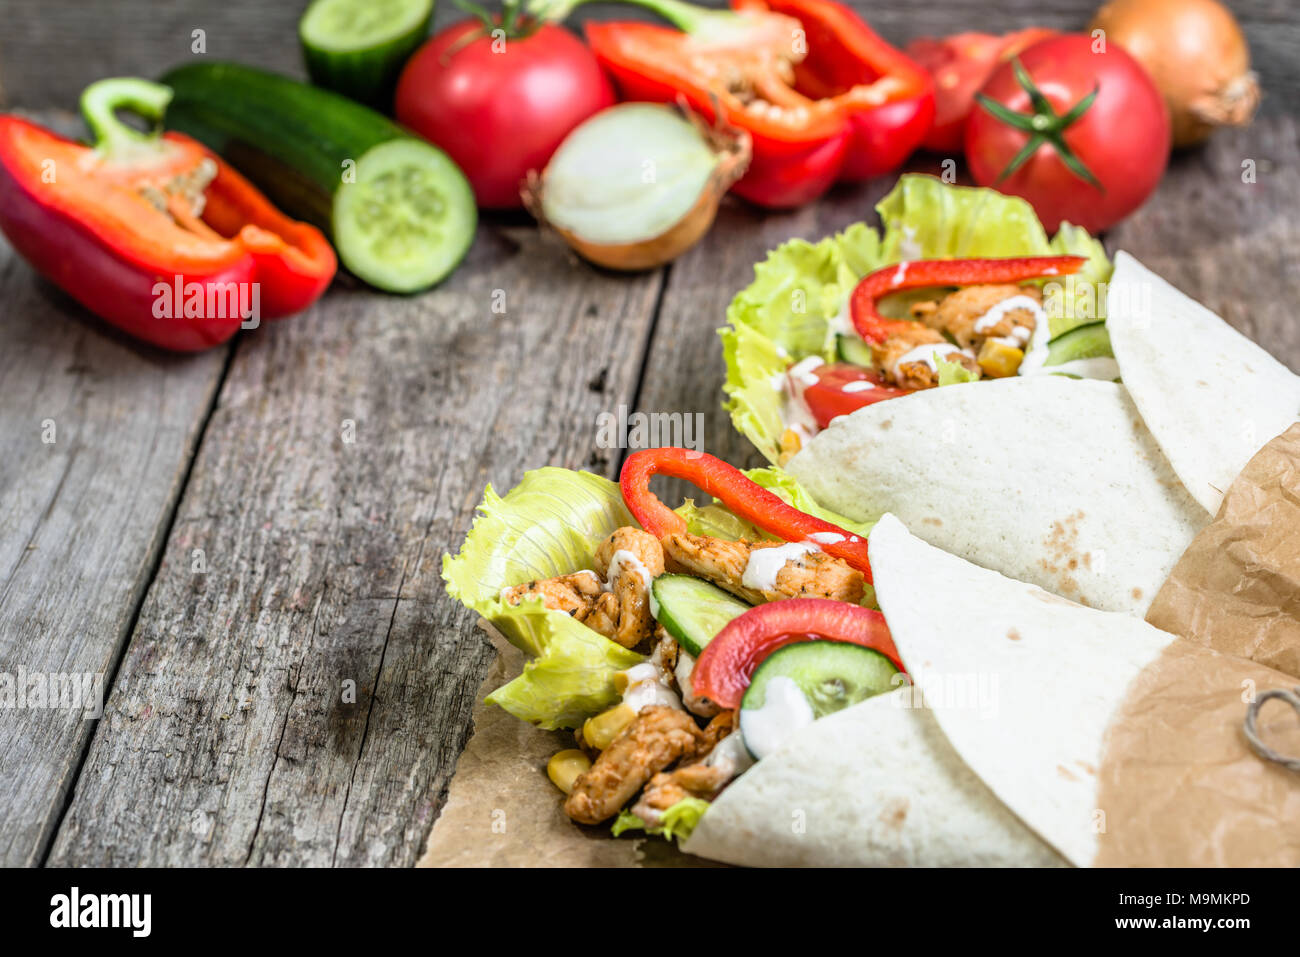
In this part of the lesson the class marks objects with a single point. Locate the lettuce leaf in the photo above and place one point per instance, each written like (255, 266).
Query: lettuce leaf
(678, 821)
(547, 525)
(793, 307)
(717, 521)
(953, 373)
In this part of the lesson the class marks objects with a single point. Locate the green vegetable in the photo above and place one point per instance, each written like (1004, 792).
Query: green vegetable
(853, 349)
(692, 610)
(678, 821)
(548, 525)
(923, 218)
(1090, 341)
(952, 372)
(358, 47)
(831, 674)
(717, 521)
(400, 213)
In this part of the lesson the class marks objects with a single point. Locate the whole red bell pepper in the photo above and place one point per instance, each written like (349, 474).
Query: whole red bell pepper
(822, 96)
(743, 496)
(922, 273)
(153, 233)
(724, 668)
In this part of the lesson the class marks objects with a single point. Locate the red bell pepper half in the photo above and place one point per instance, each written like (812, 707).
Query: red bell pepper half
(744, 497)
(153, 233)
(919, 274)
(822, 96)
(724, 668)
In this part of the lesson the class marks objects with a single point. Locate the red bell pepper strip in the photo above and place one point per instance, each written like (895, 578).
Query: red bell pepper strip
(153, 233)
(822, 96)
(744, 497)
(724, 668)
(875, 328)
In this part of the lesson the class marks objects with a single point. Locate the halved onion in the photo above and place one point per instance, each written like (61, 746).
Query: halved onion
(637, 185)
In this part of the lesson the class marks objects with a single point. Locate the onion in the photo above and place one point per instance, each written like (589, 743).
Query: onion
(1195, 53)
(637, 185)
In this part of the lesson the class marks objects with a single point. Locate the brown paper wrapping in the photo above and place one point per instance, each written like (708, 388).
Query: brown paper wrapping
(1180, 786)
(1237, 587)
(503, 811)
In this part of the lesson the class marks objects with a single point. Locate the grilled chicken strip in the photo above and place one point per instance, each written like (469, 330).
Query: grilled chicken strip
(580, 594)
(959, 313)
(656, 738)
(630, 559)
(700, 778)
(811, 575)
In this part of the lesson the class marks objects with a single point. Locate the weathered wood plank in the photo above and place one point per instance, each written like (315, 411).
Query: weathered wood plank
(96, 435)
(1231, 243)
(228, 738)
(79, 42)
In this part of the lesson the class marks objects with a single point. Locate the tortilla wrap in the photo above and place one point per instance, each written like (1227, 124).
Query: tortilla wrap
(1209, 395)
(1117, 743)
(875, 785)
(1049, 480)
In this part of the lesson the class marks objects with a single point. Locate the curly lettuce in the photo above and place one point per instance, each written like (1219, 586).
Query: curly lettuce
(549, 524)
(678, 822)
(796, 304)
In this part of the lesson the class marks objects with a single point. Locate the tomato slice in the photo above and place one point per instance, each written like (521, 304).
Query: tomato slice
(837, 392)
(960, 65)
(724, 668)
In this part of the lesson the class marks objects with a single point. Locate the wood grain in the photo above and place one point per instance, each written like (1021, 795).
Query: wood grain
(96, 434)
(228, 738)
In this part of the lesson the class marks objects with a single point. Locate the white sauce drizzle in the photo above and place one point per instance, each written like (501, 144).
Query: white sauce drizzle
(826, 538)
(765, 563)
(995, 315)
(858, 385)
(785, 710)
(730, 755)
(900, 273)
(620, 563)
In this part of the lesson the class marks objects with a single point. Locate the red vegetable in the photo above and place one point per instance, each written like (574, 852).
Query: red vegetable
(724, 668)
(828, 398)
(1081, 132)
(729, 485)
(959, 65)
(126, 226)
(500, 104)
(848, 107)
(875, 328)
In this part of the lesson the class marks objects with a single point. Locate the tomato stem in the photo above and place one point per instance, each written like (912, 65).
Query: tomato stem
(1043, 125)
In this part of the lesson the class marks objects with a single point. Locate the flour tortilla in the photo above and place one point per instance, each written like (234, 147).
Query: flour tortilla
(1059, 671)
(875, 785)
(1049, 480)
(1209, 395)
(1116, 742)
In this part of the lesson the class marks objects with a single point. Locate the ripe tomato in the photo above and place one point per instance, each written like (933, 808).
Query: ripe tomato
(1096, 159)
(833, 394)
(499, 106)
(960, 65)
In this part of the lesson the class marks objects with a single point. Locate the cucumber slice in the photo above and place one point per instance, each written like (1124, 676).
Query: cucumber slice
(399, 226)
(399, 211)
(831, 674)
(853, 349)
(358, 47)
(692, 610)
(1089, 341)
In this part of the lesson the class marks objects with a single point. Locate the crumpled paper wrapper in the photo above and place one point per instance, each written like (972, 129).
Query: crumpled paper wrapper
(1237, 587)
(503, 811)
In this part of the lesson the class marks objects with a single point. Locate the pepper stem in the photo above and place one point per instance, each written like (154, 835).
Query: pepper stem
(685, 16)
(102, 99)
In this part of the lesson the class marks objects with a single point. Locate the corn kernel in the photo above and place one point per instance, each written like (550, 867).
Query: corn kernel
(605, 727)
(998, 360)
(565, 767)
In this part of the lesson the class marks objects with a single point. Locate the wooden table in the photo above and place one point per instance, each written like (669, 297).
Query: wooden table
(246, 544)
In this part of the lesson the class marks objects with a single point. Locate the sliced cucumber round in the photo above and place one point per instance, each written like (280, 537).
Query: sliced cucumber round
(831, 674)
(692, 610)
(358, 47)
(408, 218)
(853, 349)
(1090, 341)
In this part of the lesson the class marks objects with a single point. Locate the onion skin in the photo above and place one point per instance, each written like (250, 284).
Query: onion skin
(1197, 56)
(733, 149)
